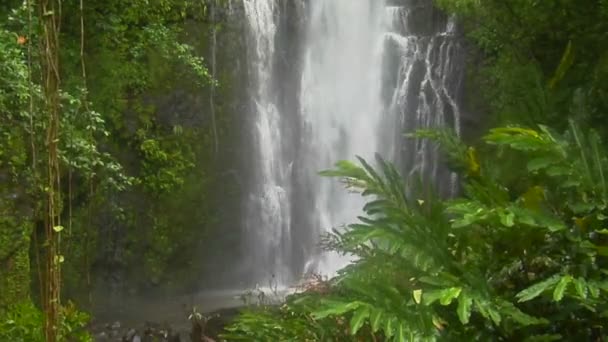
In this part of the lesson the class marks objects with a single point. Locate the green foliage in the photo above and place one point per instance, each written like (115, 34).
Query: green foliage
(515, 260)
(164, 167)
(115, 143)
(14, 95)
(24, 322)
(537, 61)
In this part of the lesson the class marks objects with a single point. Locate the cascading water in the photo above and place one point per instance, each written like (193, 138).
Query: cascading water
(426, 90)
(340, 103)
(365, 73)
(268, 212)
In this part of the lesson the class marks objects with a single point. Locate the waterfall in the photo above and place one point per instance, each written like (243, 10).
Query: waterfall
(341, 106)
(365, 72)
(426, 92)
(268, 213)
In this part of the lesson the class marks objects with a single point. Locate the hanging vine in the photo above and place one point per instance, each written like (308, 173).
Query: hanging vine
(91, 138)
(50, 16)
(213, 75)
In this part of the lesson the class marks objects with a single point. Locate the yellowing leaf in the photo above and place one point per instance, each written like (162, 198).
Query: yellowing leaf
(59, 259)
(533, 197)
(472, 162)
(58, 229)
(582, 222)
(438, 322)
(417, 296)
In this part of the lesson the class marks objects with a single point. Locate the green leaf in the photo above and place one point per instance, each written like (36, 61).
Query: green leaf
(536, 289)
(507, 218)
(540, 163)
(464, 307)
(375, 319)
(429, 297)
(581, 287)
(389, 327)
(544, 338)
(445, 296)
(563, 67)
(510, 310)
(358, 319)
(594, 291)
(494, 315)
(58, 229)
(401, 333)
(449, 294)
(336, 308)
(561, 287)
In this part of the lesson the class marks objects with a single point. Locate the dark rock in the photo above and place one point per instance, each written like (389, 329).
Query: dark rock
(174, 337)
(101, 337)
(115, 325)
(130, 335)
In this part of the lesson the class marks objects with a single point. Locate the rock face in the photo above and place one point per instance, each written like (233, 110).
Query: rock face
(152, 244)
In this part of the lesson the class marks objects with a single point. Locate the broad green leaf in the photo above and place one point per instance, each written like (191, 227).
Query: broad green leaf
(536, 289)
(558, 170)
(544, 338)
(464, 307)
(375, 319)
(561, 287)
(336, 308)
(435, 281)
(445, 296)
(602, 250)
(358, 319)
(389, 327)
(510, 310)
(581, 207)
(552, 223)
(429, 297)
(449, 294)
(540, 163)
(58, 229)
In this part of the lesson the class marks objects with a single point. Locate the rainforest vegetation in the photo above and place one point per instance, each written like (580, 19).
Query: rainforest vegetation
(106, 177)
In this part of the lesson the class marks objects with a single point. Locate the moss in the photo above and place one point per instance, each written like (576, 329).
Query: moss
(14, 261)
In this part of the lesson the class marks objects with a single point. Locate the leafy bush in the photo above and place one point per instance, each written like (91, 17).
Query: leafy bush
(24, 322)
(520, 256)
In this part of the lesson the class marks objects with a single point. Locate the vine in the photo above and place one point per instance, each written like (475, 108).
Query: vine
(50, 14)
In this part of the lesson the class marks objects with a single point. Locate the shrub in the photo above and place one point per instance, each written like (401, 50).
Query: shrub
(519, 256)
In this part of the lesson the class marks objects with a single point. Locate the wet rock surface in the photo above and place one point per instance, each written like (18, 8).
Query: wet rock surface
(205, 327)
